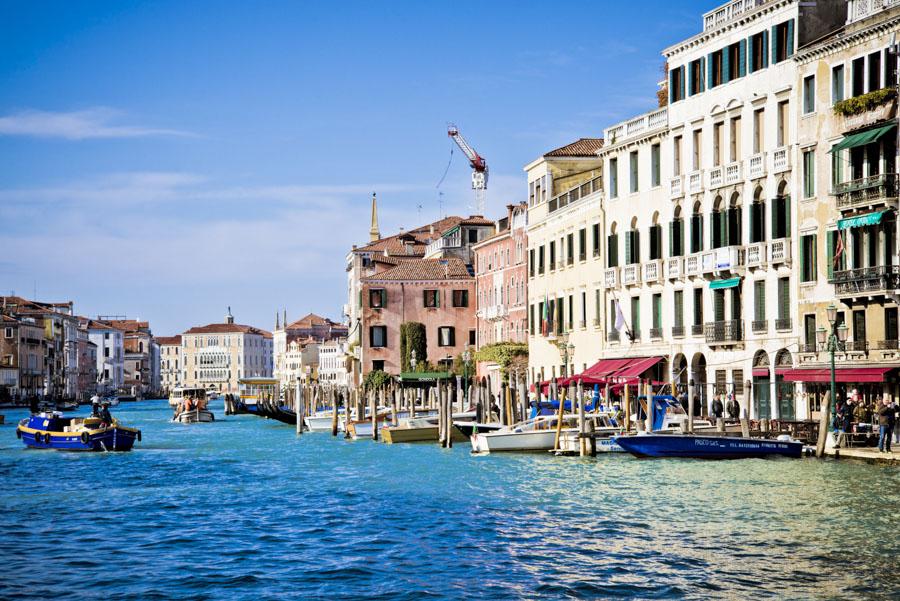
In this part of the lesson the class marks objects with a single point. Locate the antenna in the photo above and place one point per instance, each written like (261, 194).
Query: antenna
(441, 204)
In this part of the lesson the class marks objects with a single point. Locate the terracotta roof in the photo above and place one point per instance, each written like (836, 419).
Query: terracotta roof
(169, 340)
(422, 235)
(96, 324)
(228, 328)
(129, 325)
(476, 220)
(17, 304)
(425, 269)
(309, 321)
(582, 147)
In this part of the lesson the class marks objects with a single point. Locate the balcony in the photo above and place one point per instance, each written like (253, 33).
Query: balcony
(856, 346)
(644, 124)
(781, 160)
(652, 271)
(865, 192)
(807, 347)
(866, 281)
(697, 329)
(733, 173)
(783, 324)
(760, 326)
(758, 165)
(695, 182)
(716, 177)
(729, 11)
(674, 268)
(613, 336)
(724, 332)
(675, 188)
(756, 254)
(726, 258)
(631, 275)
(574, 194)
(611, 277)
(677, 331)
(780, 251)
(692, 264)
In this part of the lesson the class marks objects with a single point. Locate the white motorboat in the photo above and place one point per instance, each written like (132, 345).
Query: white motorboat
(535, 434)
(194, 416)
(177, 396)
(321, 421)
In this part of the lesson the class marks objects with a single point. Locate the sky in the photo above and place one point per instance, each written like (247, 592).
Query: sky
(167, 160)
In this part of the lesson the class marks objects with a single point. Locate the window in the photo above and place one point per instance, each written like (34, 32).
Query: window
(106, 351)
(784, 298)
(654, 166)
(378, 365)
(809, 94)
(859, 326)
(735, 135)
(678, 317)
(698, 306)
(378, 336)
(531, 320)
(676, 156)
(597, 307)
(460, 298)
(808, 258)
(595, 239)
(657, 311)
(582, 244)
(583, 309)
(612, 250)
(655, 242)
(531, 262)
(446, 336)
(571, 311)
(809, 174)
(782, 41)
(676, 238)
(758, 55)
(471, 337)
(696, 141)
(858, 81)
(632, 247)
(759, 130)
(759, 298)
(695, 78)
(890, 323)
(531, 194)
(890, 69)
(676, 84)
(874, 71)
(560, 323)
(783, 123)
(809, 330)
(696, 232)
(541, 260)
(736, 60)
(717, 69)
(757, 222)
(837, 83)
(377, 298)
(781, 217)
(834, 260)
(633, 162)
(636, 317)
(552, 255)
(570, 249)
(613, 178)
(718, 133)
(8, 332)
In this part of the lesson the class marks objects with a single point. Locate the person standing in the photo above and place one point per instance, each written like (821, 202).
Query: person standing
(896, 407)
(734, 408)
(885, 426)
(718, 408)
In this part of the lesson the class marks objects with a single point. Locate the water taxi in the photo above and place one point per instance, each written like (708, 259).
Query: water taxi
(260, 396)
(51, 430)
(177, 396)
(708, 447)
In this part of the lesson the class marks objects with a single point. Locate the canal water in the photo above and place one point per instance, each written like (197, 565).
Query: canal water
(243, 509)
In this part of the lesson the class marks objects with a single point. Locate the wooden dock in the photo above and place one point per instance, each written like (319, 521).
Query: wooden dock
(867, 454)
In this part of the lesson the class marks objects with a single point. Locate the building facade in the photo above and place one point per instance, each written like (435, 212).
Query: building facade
(217, 355)
(110, 344)
(309, 329)
(564, 259)
(170, 362)
(333, 357)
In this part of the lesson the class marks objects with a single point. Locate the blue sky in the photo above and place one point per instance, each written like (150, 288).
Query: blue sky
(165, 160)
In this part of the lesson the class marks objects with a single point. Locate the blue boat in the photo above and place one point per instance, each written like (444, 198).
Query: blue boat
(51, 430)
(707, 447)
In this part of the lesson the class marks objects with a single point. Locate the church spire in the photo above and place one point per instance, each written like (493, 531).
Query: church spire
(277, 326)
(374, 234)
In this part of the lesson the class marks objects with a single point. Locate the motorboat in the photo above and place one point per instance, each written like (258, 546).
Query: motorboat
(605, 429)
(708, 447)
(52, 430)
(259, 396)
(418, 429)
(322, 421)
(534, 434)
(177, 396)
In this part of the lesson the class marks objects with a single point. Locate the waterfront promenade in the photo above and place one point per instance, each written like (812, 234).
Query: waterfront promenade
(245, 509)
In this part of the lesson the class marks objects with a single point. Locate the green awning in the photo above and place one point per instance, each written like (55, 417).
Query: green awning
(861, 220)
(863, 137)
(424, 376)
(722, 284)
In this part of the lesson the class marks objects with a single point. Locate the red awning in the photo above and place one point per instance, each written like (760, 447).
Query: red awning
(609, 371)
(761, 372)
(636, 367)
(848, 375)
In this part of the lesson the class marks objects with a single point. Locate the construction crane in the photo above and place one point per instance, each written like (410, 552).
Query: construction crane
(478, 164)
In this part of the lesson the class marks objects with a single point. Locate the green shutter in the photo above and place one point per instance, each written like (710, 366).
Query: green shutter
(765, 48)
(690, 84)
(774, 44)
(628, 247)
(790, 38)
(700, 79)
(672, 239)
(742, 58)
(672, 97)
(759, 299)
(787, 216)
(784, 298)
(803, 260)
(814, 275)
(709, 70)
(681, 83)
(751, 47)
(636, 240)
(725, 64)
(679, 308)
(829, 252)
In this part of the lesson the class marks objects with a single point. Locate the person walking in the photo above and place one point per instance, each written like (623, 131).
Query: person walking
(885, 426)
(718, 408)
(734, 408)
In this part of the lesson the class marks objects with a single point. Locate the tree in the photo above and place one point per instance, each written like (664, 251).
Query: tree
(508, 355)
(413, 338)
(376, 379)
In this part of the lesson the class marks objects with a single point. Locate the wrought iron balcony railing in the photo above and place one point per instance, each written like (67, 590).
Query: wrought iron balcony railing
(724, 332)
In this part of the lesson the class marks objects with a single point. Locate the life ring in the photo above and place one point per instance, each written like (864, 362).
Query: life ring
(85, 437)
(47, 438)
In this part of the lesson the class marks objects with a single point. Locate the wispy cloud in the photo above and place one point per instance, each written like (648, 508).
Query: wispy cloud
(92, 123)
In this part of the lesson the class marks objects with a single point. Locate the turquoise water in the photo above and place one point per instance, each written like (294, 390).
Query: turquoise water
(244, 509)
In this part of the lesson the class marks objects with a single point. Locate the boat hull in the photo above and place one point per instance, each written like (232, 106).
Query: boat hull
(391, 435)
(322, 423)
(115, 438)
(707, 447)
(195, 416)
(493, 442)
(276, 412)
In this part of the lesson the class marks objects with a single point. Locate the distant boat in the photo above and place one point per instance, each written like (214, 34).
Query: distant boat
(51, 430)
(420, 429)
(127, 398)
(535, 434)
(259, 396)
(322, 420)
(707, 447)
(194, 416)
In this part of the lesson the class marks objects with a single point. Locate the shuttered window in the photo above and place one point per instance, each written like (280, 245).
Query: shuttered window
(678, 299)
(784, 298)
(655, 242)
(657, 310)
(759, 300)
(612, 250)
(808, 258)
(676, 238)
(698, 306)
(696, 232)
(719, 305)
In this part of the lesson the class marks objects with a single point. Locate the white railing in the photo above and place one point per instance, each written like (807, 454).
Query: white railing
(733, 173)
(642, 124)
(495, 311)
(716, 177)
(674, 267)
(727, 12)
(781, 160)
(675, 190)
(861, 9)
(758, 165)
(756, 254)
(723, 259)
(611, 277)
(695, 182)
(780, 251)
(652, 271)
(631, 274)
(692, 264)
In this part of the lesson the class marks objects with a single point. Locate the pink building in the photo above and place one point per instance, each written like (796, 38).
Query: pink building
(501, 279)
(438, 293)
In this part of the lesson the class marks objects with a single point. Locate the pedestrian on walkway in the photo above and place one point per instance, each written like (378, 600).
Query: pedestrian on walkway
(896, 407)
(734, 408)
(718, 408)
(885, 426)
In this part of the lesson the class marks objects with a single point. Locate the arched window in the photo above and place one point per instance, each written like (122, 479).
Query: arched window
(612, 246)
(633, 244)
(781, 213)
(676, 234)
(655, 238)
(758, 217)
(697, 228)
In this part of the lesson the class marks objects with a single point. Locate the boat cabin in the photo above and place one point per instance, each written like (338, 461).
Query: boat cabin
(256, 390)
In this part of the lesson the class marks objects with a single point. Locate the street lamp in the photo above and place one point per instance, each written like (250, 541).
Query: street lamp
(567, 349)
(831, 341)
(466, 357)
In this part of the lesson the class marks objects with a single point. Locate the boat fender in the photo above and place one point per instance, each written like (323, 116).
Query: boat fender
(46, 438)
(139, 436)
(85, 437)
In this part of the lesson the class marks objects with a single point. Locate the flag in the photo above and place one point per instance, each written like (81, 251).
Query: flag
(620, 317)
(838, 249)
(545, 318)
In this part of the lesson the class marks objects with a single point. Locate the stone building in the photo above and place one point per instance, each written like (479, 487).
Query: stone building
(110, 344)
(309, 329)
(170, 362)
(333, 363)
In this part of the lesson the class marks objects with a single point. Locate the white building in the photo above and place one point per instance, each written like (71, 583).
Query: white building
(110, 355)
(300, 361)
(333, 363)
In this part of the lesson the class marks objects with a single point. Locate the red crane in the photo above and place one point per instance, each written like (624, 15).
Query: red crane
(478, 165)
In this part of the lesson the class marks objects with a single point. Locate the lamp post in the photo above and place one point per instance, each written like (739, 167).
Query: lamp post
(830, 340)
(466, 357)
(567, 349)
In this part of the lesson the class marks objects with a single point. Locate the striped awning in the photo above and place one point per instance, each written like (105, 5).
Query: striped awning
(722, 284)
(861, 220)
